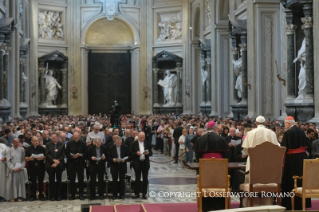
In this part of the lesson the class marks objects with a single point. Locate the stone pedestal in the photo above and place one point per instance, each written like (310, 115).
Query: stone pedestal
(23, 110)
(207, 109)
(5, 110)
(53, 111)
(239, 111)
(300, 111)
(167, 110)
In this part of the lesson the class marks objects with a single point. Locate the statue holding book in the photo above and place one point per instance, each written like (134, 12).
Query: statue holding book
(169, 86)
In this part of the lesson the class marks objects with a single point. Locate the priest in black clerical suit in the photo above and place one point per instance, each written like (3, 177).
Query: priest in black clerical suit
(35, 167)
(97, 157)
(54, 165)
(76, 152)
(118, 156)
(140, 152)
(296, 143)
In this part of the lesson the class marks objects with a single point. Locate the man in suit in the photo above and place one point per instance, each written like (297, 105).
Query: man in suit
(35, 167)
(76, 153)
(128, 141)
(54, 165)
(123, 129)
(97, 158)
(118, 166)
(140, 152)
(178, 131)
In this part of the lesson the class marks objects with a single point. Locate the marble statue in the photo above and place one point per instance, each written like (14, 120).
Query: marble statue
(170, 27)
(51, 85)
(208, 12)
(169, 85)
(204, 76)
(24, 77)
(302, 74)
(239, 81)
(50, 26)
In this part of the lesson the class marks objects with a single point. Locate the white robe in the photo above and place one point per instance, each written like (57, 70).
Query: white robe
(253, 138)
(15, 180)
(3, 166)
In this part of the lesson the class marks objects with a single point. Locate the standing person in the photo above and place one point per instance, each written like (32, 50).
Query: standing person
(181, 141)
(3, 167)
(140, 152)
(54, 165)
(97, 157)
(296, 143)
(160, 132)
(189, 148)
(76, 153)
(178, 131)
(15, 180)
(35, 167)
(46, 137)
(95, 134)
(8, 137)
(118, 156)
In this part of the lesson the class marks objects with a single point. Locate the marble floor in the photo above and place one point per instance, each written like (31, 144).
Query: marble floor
(169, 183)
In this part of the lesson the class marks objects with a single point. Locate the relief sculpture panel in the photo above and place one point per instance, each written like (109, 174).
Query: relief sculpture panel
(50, 25)
(169, 26)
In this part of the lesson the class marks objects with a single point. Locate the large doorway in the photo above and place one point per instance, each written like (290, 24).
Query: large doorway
(109, 80)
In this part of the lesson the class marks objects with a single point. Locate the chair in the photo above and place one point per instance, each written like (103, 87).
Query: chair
(310, 183)
(265, 172)
(26, 181)
(213, 177)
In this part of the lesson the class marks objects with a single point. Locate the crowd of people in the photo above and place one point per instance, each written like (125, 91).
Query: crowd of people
(90, 145)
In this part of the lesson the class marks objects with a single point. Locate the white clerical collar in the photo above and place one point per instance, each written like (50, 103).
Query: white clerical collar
(141, 142)
(260, 125)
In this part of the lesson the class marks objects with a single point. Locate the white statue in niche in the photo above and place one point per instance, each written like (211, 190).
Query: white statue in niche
(169, 85)
(208, 12)
(204, 76)
(238, 72)
(51, 85)
(302, 74)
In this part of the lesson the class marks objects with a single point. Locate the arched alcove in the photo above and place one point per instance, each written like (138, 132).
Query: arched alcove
(109, 34)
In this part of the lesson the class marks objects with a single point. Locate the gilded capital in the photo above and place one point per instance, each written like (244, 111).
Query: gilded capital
(307, 22)
(243, 47)
(290, 29)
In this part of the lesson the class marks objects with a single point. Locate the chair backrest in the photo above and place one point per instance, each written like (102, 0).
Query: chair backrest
(266, 161)
(213, 173)
(310, 174)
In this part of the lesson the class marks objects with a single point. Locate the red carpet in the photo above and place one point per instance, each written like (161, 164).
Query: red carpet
(162, 207)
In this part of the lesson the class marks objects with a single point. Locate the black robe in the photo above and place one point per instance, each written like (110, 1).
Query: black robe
(294, 138)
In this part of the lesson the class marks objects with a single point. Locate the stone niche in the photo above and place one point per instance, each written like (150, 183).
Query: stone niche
(162, 62)
(53, 84)
(109, 33)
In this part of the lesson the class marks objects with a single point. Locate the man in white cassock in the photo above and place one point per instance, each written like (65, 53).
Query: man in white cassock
(253, 138)
(15, 176)
(3, 153)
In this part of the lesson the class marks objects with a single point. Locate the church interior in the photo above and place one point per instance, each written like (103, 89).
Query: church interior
(221, 59)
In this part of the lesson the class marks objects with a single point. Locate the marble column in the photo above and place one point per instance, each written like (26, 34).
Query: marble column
(208, 81)
(291, 76)
(203, 67)
(309, 56)
(243, 49)
(2, 52)
(155, 87)
(235, 57)
(42, 86)
(64, 87)
(6, 72)
(22, 88)
(178, 86)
